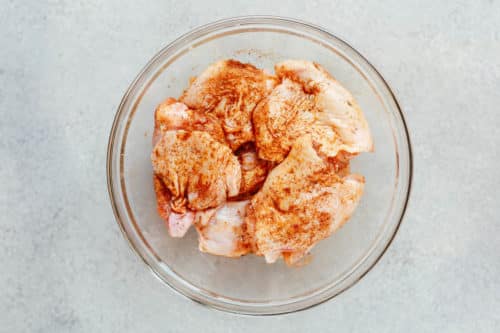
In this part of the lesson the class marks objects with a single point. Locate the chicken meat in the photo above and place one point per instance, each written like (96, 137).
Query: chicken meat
(199, 171)
(302, 201)
(173, 115)
(282, 117)
(222, 231)
(230, 90)
(309, 100)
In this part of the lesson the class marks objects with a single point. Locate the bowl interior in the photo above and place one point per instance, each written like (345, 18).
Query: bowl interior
(336, 262)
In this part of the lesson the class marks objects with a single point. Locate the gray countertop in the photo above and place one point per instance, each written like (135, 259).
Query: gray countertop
(65, 265)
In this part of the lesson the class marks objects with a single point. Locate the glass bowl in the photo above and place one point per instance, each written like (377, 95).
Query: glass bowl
(248, 285)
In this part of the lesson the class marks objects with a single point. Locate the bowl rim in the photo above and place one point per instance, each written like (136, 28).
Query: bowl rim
(227, 23)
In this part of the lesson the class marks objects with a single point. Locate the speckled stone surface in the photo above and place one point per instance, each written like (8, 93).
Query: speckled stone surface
(65, 266)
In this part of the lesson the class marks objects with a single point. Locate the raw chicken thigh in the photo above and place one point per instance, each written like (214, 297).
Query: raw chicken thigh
(173, 115)
(197, 170)
(230, 90)
(309, 100)
(302, 202)
(337, 108)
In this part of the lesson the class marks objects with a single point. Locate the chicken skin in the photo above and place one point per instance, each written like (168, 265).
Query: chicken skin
(198, 171)
(230, 90)
(282, 117)
(302, 202)
(309, 100)
(173, 115)
(222, 230)
(336, 104)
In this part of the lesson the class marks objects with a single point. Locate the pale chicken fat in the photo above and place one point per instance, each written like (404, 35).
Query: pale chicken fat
(302, 202)
(230, 90)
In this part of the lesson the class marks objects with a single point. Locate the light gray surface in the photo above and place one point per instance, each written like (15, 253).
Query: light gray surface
(65, 266)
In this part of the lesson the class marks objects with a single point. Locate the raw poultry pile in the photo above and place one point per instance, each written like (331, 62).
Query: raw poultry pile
(259, 163)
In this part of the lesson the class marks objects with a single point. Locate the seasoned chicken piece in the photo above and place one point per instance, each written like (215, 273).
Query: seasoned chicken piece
(309, 100)
(230, 90)
(222, 230)
(198, 171)
(282, 117)
(253, 170)
(337, 107)
(302, 202)
(173, 115)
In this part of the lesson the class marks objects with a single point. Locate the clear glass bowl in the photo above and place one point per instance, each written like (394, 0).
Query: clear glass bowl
(249, 285)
